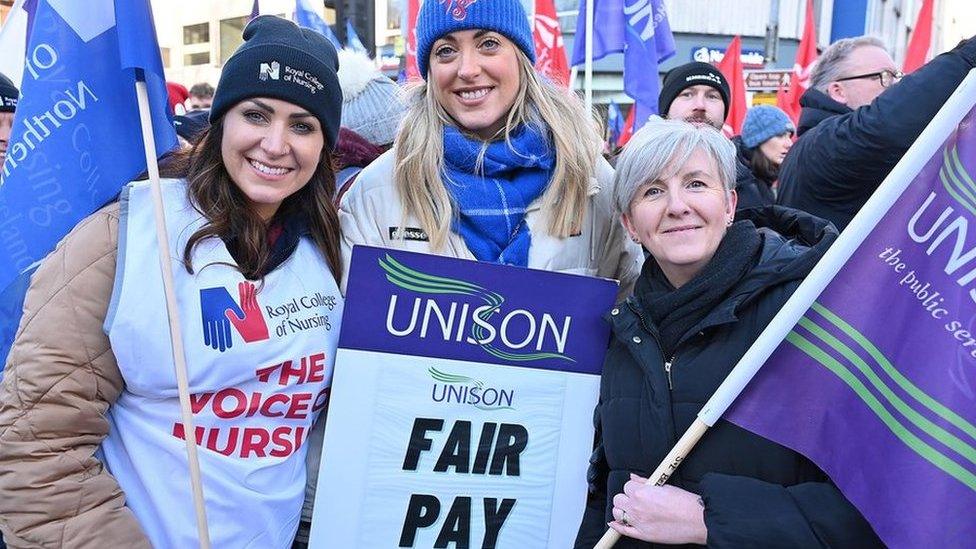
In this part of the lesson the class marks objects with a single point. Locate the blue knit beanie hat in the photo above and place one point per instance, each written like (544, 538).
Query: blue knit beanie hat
(437, 18)
(764, 122)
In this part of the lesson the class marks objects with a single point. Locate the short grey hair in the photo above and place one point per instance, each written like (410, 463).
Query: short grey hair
(661, 143)
(833, 61)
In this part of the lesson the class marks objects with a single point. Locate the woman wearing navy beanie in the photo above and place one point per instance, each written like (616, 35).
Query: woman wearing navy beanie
(492, 163)
(93, 448)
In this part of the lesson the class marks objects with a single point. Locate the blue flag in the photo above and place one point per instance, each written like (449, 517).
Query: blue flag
(639, 29)
(308, 18)
(255, 10)
(352, 39)
(615, 122)
(76, 138)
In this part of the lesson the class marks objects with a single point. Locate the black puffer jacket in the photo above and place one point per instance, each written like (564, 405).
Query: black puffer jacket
(756, 492)
(842, 155)
(753, 192)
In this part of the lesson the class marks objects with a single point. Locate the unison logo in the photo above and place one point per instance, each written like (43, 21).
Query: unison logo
(514, 335)
(452, 388)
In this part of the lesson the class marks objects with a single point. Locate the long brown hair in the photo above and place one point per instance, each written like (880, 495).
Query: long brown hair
(763, 167)
(215, 195)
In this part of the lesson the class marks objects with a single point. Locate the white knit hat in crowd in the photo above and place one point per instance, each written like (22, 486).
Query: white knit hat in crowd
(371, 103)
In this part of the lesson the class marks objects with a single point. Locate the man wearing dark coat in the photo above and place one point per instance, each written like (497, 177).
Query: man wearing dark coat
(859, 118)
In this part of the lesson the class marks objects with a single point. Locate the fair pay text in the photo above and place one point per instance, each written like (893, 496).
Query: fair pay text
(494, 451)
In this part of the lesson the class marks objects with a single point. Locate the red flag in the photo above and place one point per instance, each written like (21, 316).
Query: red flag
(412, 72)
(628, 130)
(550, 54)
(918, 46)
(806, 55)
(731, 67)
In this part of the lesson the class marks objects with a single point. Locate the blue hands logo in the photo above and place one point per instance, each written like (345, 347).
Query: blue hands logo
(219, 311)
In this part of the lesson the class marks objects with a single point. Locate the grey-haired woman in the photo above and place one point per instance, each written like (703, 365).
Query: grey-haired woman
(711, 284)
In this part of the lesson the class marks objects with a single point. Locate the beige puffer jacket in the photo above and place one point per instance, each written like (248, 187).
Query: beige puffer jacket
(60, 380)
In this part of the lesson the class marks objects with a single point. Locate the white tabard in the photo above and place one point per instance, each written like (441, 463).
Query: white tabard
(260, 360)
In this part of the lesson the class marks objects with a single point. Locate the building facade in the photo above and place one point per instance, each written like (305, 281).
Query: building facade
(197, 36)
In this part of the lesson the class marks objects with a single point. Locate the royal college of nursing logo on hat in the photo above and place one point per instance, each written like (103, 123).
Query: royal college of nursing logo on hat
(458, 8)
(270, 70)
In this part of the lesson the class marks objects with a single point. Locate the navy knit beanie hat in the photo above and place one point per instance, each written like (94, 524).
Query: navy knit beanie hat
(8, 95)
(282, 61)
(764, 122)
(437, 18)
(692, 74)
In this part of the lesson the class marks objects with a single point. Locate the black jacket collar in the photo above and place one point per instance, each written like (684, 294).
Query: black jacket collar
(817, 107)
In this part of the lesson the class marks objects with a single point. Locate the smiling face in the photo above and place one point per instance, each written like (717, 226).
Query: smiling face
(270, 149)
(700, 105)
(474, 76)
(776, 147)
(682, 218)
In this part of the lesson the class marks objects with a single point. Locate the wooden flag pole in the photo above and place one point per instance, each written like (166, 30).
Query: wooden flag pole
(176, 336)
(903, 174)
(664, 471)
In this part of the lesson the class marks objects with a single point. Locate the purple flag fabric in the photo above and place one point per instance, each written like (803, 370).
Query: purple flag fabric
(255, 10)
(877, 382)
(639, 29)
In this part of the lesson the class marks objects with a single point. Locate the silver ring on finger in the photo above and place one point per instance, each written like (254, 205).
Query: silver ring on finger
(623, 519)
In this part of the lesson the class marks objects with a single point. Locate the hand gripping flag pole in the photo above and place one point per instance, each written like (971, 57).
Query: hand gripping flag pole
(172, 311)
(927, 144)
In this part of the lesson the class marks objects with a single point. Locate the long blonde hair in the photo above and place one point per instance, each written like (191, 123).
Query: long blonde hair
(419, 153)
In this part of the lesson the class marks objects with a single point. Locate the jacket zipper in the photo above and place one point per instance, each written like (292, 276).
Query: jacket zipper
(668, 362)
(667, 370)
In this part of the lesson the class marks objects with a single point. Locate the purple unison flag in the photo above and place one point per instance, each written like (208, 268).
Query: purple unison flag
(639, 29)
(649, 41)
(609, 25)
(877, 381)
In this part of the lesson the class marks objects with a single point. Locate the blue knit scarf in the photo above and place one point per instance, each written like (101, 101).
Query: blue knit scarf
(491, 204)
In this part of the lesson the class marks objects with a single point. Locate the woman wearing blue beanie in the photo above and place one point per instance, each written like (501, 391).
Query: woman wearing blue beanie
(93, 449)
(767, 135)
(492, 162)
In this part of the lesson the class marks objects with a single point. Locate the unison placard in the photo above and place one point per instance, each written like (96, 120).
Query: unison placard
(462, 401)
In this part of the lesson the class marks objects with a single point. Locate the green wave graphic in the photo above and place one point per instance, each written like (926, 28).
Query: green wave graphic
(445, 377)
(411, 279)
(892, 372)
(889, 396)
(911, 440)
(957, 181)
